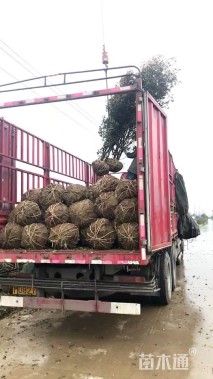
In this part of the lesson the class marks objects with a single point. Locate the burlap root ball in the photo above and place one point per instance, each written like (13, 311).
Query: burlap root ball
(51, 194)
(100, 168)
(128, 235)
(82, 213)
(32, 195)
(108, 183)
(10, 236)
(100, 234)
(11, 217)
(64, 236)
(105, 205)
(74, 193)
(35, 236)
(56, 214)
(127, 211)
(27, 212)
(114, 164)
(126, 189)
(93, 191)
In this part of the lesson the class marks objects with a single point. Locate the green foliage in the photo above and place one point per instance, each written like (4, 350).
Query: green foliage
(159, 77)
(118, 129)
(202, 219)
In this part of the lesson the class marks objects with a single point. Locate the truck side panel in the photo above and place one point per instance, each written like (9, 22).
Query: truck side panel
(174, 215)
(159, 223)
(8, 180)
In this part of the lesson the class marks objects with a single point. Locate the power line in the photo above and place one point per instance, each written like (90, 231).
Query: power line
(37, 72)
(102, 19)
(76, 107)
(6, 72)
(55, 106)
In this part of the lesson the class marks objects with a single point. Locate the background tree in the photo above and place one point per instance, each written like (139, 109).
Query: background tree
(118, 130)
(202, 219)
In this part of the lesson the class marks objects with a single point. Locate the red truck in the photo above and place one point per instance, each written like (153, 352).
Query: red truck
(85, 279)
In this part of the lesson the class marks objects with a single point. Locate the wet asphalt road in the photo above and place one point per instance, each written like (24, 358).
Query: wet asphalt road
(179, 337)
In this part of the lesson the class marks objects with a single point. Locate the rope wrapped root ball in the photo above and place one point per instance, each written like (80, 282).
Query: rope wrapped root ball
(27, 212)
(114, 164)
(100, 234)
(82, 213)
(51, 194)
(127, 211)
(11, 217)
(74, 193)
(56, 214)
(108, 183)
(100, 168)
(32, 195)
(35, 236)
(128, 235)
(93, 191)
(64, 236)
(105, 205)
(126, 189)
(10, 236)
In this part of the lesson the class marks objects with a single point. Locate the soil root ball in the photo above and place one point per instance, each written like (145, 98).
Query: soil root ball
(105, 205)
(10, 236)
(128, 235)
(127, 211)
(93, 191)
(51, 194)
(82, 213)
(32, 195)
(35, 236)
(56, 214)
(74, 193)
(100, 168)
(100, 234)
(114, 164)
(64, 236)
(11, 217)
(108, 183)
(27, 212)
(126, 189)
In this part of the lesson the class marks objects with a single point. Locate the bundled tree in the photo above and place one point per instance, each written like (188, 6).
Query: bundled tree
(118, 131)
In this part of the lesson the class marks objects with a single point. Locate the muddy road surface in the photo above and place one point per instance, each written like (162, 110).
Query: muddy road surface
(177, 340)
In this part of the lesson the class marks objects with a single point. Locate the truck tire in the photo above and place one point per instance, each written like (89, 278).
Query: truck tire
(179, 260)
(174, 272)
(180, 256)
(165, 279)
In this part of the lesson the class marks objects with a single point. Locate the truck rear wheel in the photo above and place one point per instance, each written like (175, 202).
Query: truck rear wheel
(165, 279)
(180, 256)
(174, 272)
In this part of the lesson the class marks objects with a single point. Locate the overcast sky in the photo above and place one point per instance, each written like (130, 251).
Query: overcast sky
(58, 36)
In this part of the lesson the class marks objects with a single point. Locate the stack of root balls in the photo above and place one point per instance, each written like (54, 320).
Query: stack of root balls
(102, 216)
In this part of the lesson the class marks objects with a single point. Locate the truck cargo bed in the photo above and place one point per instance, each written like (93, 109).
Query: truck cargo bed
(74, 256)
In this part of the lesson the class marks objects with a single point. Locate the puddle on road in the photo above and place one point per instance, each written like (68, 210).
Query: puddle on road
(198, 268)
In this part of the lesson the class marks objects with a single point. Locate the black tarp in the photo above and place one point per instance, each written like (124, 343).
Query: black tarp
(182, 204)
(187, 226)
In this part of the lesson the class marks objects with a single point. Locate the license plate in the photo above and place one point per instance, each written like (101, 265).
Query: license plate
(27, 291)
